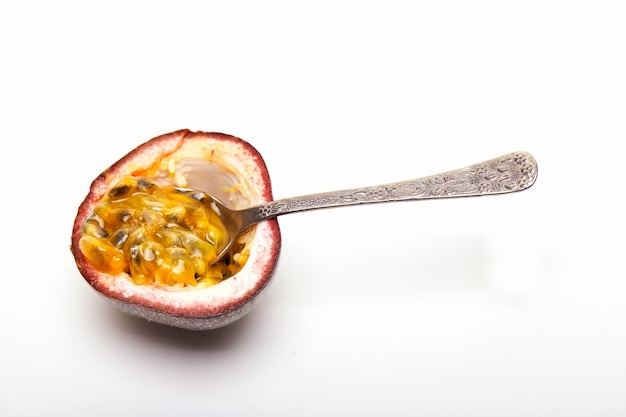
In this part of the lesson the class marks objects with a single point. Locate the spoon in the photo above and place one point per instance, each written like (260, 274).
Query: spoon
(509, 173)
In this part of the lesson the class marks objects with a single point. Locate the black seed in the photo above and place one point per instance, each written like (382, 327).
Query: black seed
(119, 237)
(119, 191)
(144, 184)
(92, 227)
(124, 215)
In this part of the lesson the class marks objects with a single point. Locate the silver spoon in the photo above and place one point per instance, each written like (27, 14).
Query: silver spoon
(509, 173)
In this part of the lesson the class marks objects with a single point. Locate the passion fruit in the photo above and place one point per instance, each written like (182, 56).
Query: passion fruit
(144, 239)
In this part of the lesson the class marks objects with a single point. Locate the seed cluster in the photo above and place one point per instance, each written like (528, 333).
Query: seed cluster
(158, 234)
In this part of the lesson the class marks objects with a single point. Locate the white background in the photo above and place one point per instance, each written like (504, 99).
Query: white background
(501, 306)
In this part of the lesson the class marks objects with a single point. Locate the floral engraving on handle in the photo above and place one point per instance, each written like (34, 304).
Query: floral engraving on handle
(513, 172)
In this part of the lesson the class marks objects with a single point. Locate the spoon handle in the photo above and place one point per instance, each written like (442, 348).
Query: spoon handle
(513, 172)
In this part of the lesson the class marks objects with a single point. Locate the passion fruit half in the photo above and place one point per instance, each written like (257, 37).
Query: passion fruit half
(144, 239)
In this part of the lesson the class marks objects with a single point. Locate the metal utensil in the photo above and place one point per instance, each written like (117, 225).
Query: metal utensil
(509, 173)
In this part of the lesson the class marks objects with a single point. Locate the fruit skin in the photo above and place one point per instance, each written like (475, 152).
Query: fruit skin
(194, 309)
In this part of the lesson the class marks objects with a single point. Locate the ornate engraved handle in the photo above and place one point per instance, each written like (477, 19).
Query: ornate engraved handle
(516, 171)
